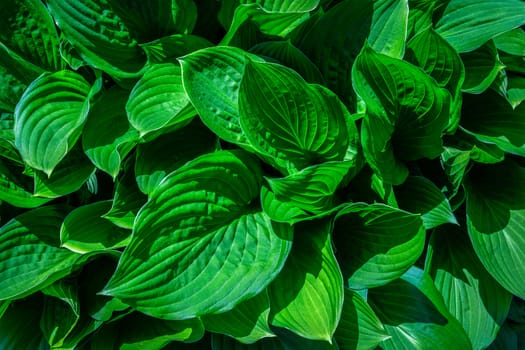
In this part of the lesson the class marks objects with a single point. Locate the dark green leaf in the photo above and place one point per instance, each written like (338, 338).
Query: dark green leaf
(222, 342)
(481, 68)
(511, 42)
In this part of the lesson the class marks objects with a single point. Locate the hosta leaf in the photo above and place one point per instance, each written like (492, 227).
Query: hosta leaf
(247, 322)
(196, 231)
(511, 42)
(69, 175)
(157, 158)
(30, 257)
(310, 280)
(419, 15)
(359, 327)
(420, 195)
(291, 341)
(283, 6)
(19, 326)
(49, 118)
(468, 24)
(108, 137)
(439, 60)
(211, 78)
(168, 48)
(158, 99)
(85, 230)
(516, 90)
(415, 316)
(376, 243)
(223, 342)
(481, 68)
(29, 31)
(388, 30)
(289, 55)
(491, 119)
(470, 293)
(406, 113)
(495, 221)
(11, 89)
(100, 35)
(289, 121)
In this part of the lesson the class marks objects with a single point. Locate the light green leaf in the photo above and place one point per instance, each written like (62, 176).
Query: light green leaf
(481, 68)
(158, 99)
(223, 342)
(421, 196)
(406, 113)
(100, 35)
(468, 24)
(307, 296)
(70, 174)
(192, 236)
(247, 322)
(211, 78)
(438, 59)
(359, 327)
(415, 316)
(108, 137)
(29, 31)
(30, 257)
(290, 122)
(49, 118)
(495, 221)
(511, 42)
(85, 230)
(491, 119)
(376, 243)
(169, 48)
(470, 293)
(157, 158)
(388, 31)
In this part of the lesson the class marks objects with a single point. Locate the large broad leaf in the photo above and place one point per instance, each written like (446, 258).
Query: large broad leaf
(307, 296)
(439, 60)
(468, 24)
(388, 31)
(28, 31)
(211, 78)
(376, 243)
(420, 195)
(158, 99)
(30, 257)
(406, 113)
(290, 122)
(496, 220)
(85, 230)
(108, 137)
(247, 322)
(491, 119)
(200, 227)
(511, 42)
(415, 316)
(481, 68)
(49, 118)
(472, 296)
(359, 327)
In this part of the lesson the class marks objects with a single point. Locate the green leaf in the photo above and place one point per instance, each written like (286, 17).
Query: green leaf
(30, 257)
(247, 322)
(415, 316)
(222, 342)
(29, 31)
(491, 119)
(85, 230)
(157, 158)
(438, 59)
(406, 113)
(100, 35)
(470, 293)
(359, 327)
(108, 137)
(192, 236)
(388, 31)
(11, 89)
(419, 195)
(49, 118)
(419, 15)
(516, 90)
(70, 174)
(211, 78)
(292, 341)
(158, 99)
(290, 122)
(284, 6)
(168, 48)
(307, 296)
(468, 24)
(376, 243)
(511, 42)
(495, 221)
(481, 68)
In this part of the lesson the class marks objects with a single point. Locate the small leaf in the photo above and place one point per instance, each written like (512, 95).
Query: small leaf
(223, 342)
(169, 48)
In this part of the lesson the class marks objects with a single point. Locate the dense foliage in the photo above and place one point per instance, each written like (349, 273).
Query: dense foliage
(262, 174)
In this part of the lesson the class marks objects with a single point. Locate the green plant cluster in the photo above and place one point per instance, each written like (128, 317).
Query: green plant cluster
(262, 174)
